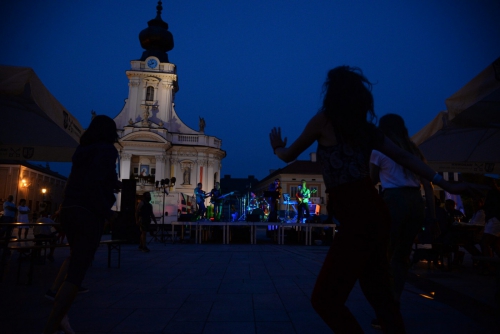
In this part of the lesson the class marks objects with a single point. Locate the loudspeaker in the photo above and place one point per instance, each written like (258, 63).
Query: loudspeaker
(127, 203)
(186, 217)
(124, 227)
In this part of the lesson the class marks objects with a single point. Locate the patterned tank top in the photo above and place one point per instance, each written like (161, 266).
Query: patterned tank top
(343, 163)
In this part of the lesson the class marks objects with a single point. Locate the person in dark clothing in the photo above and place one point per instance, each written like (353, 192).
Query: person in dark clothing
(216, 201)
(200, 201)
(88, 198)
(490, 242)
(274, 202)
(143, 216)
(359, 250)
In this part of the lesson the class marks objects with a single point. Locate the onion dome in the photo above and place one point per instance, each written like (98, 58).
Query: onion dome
(156, 39)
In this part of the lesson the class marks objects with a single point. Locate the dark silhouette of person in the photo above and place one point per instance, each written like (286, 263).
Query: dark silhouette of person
(88, 198)
(345, 139)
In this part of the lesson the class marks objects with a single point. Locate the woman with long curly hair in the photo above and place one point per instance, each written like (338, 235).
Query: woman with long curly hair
(346, 136)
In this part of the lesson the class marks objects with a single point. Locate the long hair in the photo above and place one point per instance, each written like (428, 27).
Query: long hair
(393, 126)
(102, 129)
(348, 103)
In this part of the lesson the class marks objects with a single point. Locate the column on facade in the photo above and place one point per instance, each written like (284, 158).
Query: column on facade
(133, 92)
(125, 165)
(166, 107)
(201, 172)
(201, 175)
(160, 167)
(144, 87)
(173, 170)
(156, 97)
(210, 173)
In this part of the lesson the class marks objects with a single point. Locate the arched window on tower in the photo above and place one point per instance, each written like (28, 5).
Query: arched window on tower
(150, 93)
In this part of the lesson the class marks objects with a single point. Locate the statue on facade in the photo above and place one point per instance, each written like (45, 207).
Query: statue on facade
(186, 176)
(202, 125)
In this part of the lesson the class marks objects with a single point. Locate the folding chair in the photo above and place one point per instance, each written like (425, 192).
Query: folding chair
(154, 232)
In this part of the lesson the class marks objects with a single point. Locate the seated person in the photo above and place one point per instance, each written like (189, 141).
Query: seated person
(45, 232)
(469, 238)
(490, 242)
(446, 217)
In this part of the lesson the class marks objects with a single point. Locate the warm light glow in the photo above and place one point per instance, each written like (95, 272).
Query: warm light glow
(44, 190)
(426, 296)
(23, 182)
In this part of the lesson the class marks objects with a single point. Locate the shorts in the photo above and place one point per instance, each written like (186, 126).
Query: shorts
(83, 230)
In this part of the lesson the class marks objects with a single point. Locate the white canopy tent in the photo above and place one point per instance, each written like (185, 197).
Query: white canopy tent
(466, 137)
(35, 126)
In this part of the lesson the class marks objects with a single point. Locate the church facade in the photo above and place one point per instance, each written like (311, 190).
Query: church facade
(154, 143)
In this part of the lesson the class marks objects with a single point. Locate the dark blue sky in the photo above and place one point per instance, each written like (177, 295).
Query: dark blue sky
(246, 66)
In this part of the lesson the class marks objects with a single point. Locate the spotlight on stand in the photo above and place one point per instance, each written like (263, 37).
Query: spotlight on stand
(164, 184)
(172, 181)
(157, 183)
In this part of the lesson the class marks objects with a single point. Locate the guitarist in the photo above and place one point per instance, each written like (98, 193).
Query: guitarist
(303, 195)
(200, 200)
(216, 201)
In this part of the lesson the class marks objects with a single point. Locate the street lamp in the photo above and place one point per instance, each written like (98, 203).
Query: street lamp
(44, 190)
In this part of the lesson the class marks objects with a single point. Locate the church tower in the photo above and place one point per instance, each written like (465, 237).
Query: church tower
(155, 144)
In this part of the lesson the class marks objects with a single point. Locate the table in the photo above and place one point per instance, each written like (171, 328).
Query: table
(25, 246)
(113, 244)
(15, 224)
(8, 232)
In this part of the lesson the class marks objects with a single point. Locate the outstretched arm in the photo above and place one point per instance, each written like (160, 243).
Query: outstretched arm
(417, 166)
(309, 135)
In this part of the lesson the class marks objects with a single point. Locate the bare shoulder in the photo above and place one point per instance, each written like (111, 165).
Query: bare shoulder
(319, 119)
(324, 127)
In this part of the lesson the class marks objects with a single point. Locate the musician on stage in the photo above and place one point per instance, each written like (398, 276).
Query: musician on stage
(303, 195)
(200, 201)
(217, 203)
(274, 202)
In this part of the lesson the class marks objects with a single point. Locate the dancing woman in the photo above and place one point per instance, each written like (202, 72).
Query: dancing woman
(88, 198)
(401, 193)
(359, 250)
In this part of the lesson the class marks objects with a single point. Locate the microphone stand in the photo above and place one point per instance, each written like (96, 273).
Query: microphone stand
(163, 186)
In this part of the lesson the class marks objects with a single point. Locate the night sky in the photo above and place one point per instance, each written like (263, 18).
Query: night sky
(246, 66)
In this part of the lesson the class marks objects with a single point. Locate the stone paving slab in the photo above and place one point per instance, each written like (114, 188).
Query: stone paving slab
(214, 288)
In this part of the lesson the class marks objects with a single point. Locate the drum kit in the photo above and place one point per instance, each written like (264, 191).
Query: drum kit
(258, 206)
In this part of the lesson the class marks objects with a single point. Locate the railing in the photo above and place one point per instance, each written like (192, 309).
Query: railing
(199, 139)
(188, 138)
